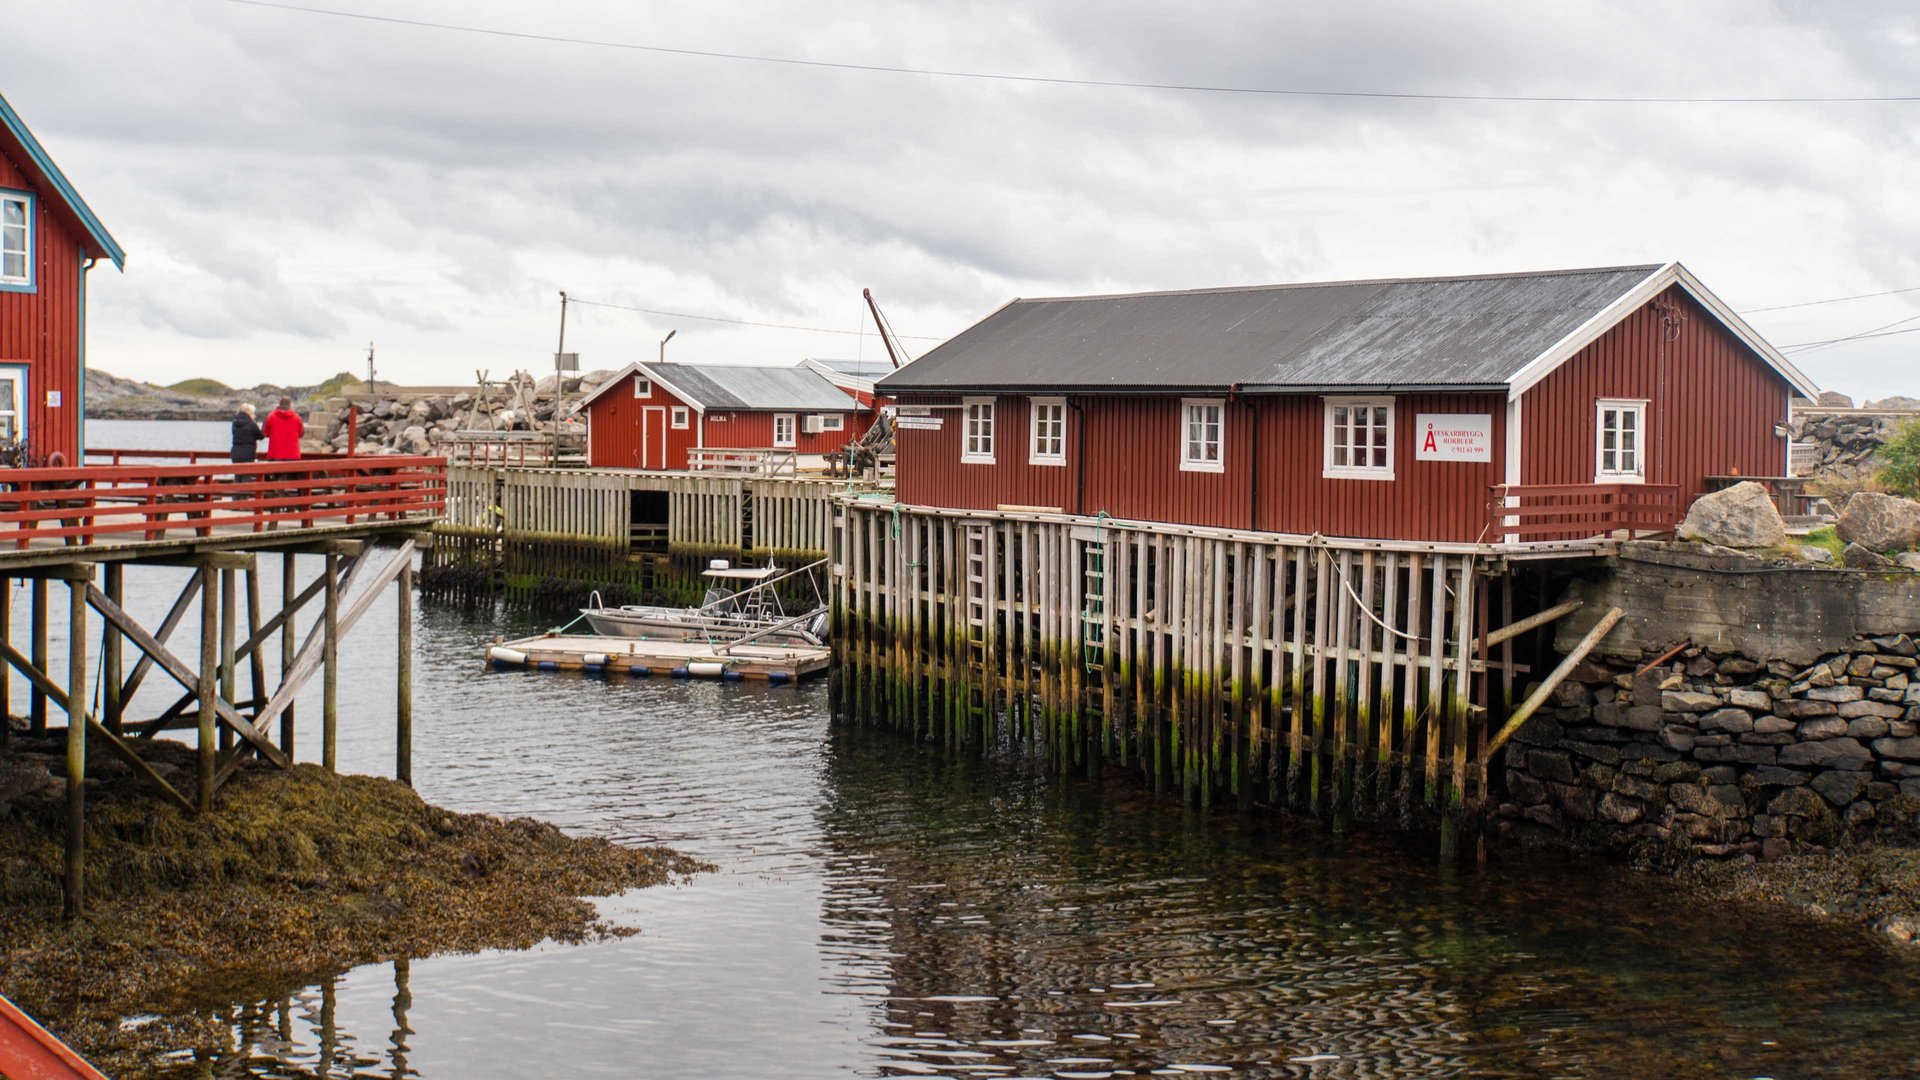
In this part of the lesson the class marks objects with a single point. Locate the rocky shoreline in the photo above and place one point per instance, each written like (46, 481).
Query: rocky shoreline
(298, 876)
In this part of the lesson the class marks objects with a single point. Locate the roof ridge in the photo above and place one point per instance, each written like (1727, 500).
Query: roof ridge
(1645, 268)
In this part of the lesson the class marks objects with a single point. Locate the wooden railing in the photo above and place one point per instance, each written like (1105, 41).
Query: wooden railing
(1536, 513)
(120, 503)
(744, 462)
(519, 449)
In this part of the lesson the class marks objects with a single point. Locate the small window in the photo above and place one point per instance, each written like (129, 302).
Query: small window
(642, 386)
(1359, 438)
(1620, 452)
(1049, 443)
(829, 422)
(1203, 422)
(681, 418)
(16, 240)
(783, 429)
(978, 446)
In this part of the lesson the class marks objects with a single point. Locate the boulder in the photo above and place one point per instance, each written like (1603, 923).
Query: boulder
(1908, 559)
(1880, 523)
(1742, 516)
(414, 441)
(1858, 557)
(1834, 399)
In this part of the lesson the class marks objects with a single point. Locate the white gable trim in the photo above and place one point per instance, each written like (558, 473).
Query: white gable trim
(1657, 282)
(621, 377)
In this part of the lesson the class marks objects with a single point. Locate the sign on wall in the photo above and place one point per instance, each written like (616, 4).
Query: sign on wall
(1453, 437)
(917, 423)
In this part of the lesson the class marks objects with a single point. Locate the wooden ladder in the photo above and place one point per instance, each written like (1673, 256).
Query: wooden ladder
(979, 607)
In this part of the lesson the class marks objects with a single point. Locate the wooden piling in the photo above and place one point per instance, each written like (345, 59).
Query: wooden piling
(112, 707)
(289, 582)
(37, 702)
(403, 679)
(76, 880)
(330, 664)
(208, 687)
(229, 626)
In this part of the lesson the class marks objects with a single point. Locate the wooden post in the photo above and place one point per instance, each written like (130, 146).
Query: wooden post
(112, 708)
(287, 593)
(6, 670)
(257, 656)
(229, 619)
(329, 659)
(37, 704)
(76, 882)
(207, 687)
(403, 682)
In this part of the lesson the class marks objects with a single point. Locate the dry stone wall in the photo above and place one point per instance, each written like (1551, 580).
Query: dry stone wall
(1720, 754)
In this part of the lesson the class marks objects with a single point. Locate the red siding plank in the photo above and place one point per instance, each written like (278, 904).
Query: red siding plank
(42, 329)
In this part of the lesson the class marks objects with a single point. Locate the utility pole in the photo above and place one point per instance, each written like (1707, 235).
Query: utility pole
(663, 345)
(369, 365)
(558, 352)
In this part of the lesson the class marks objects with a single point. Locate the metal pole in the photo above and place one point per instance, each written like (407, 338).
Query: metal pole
(76, 883)
(557, 351)
(329, 658)
(403, 683)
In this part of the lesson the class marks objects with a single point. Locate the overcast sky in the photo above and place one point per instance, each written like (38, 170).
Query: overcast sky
(291, 186)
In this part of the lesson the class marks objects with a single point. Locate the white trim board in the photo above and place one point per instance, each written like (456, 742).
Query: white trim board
(1610, 316)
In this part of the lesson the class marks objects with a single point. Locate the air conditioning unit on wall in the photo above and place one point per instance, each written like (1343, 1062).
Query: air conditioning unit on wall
(812, 425)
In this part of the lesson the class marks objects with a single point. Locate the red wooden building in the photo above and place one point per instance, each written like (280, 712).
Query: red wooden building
(653, 416)
(49, 239)
(1397, 409)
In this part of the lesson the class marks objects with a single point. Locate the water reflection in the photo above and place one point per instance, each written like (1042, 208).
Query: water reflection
(883, 910)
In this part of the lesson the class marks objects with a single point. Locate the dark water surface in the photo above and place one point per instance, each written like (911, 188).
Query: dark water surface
(883, 910)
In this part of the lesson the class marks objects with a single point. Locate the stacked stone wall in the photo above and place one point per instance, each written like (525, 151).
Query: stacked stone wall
(1720, 754)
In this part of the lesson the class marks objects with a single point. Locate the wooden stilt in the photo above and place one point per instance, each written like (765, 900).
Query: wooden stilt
(6, 670)
(208, 688)
(329, 661)
(403, 681)
(76, 878)
(37, 703)
(287, 591)
(112, 705)
(229, 620)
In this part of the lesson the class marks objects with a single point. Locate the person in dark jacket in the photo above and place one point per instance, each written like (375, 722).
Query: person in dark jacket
(283, 430)
(246, 435)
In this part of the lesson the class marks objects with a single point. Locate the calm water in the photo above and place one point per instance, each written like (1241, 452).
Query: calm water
(882, 910)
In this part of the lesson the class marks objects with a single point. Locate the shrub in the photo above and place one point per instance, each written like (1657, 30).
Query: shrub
(1899, 459)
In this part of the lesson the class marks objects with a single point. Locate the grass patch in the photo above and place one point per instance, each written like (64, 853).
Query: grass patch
(297, 876)
(1825, 538)
(202, 387)
(336, 384)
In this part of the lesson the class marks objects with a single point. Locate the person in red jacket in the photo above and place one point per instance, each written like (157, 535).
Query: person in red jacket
(283, 430)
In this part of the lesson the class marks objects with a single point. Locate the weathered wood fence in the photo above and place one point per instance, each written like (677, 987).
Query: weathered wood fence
(1336, 678)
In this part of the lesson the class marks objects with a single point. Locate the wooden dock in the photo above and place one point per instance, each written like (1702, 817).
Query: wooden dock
(678, 659)
(361, 516)
(1346, 678)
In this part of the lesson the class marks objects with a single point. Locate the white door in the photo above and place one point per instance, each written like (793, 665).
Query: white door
(653, 437)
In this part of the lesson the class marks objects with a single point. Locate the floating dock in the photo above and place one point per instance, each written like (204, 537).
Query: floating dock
(680, 659)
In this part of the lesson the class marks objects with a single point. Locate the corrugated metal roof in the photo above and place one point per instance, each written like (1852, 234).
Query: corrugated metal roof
(1416, 333)
(741, 386)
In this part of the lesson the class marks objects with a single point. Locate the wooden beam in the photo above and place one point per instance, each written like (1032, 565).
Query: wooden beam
(76, 695)
(112, 703)
(1531, 622)
(1554, 678)
(167, 625)
(403, 679)
(207, 691)
(330, 664)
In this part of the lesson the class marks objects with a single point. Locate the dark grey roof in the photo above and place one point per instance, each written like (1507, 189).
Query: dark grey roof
(1415, 333)
(740, 386)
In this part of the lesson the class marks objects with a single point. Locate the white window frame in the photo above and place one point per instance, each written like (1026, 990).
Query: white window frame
(17, 374)
(1351, 471)
(1037, 453)
(682, 418)
(830, 421)
(1188, 461)
(969, 455)
(791, 421)
(22, 282)
(1636, 475)
(642, 386)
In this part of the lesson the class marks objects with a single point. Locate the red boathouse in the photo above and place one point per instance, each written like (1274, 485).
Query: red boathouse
(49, 239)
(659, 416)
(1392, 410)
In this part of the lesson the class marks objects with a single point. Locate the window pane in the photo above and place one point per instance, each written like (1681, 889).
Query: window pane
(13, 266)
(13, 238)
(13, 212)
(1628, 417)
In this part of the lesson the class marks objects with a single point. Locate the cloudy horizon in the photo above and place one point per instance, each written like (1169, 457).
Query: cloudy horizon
(291, 186)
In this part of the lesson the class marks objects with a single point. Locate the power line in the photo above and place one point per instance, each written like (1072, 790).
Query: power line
(1851, 337)
(741, 322)
(1055, 80)
(1830, 300)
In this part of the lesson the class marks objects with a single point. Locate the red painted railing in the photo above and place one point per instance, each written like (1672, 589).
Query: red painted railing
(1535, 513)
(119, 503)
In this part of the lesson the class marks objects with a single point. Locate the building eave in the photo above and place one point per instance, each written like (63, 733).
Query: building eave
(103, 245)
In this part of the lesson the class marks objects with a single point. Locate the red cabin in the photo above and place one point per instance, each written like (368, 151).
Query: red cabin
(49, 239)
(1395, 410)
(660, 416)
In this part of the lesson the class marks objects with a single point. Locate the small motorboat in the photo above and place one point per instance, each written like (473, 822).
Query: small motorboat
(727, 612)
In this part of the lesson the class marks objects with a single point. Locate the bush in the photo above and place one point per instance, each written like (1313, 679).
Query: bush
(1899, 459)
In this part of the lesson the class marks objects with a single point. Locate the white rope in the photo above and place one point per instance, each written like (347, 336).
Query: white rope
(1316, 540)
